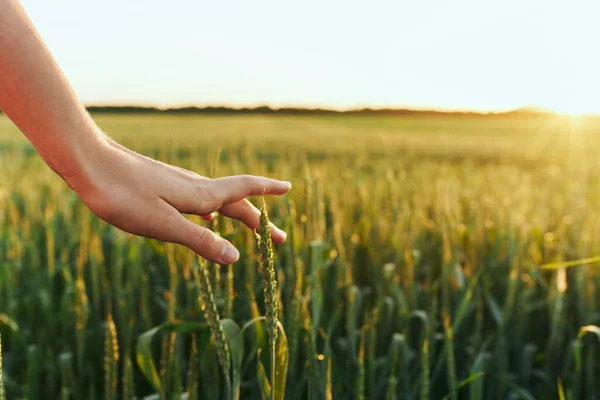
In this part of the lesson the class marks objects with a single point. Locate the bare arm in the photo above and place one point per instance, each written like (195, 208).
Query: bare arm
(36, 96)
(135, 193)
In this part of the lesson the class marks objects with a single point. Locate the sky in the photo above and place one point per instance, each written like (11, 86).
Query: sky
(452, 55)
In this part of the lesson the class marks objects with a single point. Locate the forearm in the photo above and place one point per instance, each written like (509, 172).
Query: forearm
(37, 97)
(134, 193)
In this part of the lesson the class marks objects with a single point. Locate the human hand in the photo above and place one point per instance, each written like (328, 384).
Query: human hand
(147, 198)
(132, 192)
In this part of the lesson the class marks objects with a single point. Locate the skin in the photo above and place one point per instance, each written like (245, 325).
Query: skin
(135, 193)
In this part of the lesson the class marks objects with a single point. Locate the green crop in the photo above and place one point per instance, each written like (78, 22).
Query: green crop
(427, 258)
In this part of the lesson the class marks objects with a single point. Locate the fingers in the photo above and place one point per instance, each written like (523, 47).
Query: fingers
(161, 221)
(231, 189)
(228, 196)
(208, 217)
(245, 212)
(205, 242)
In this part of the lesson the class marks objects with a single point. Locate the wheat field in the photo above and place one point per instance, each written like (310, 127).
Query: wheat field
(427, 258)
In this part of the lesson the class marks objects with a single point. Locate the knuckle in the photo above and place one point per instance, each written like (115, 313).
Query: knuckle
(163, 227)
(248, 180)
(206, 195)
(171, 223)
(204, 239)
(251, 183)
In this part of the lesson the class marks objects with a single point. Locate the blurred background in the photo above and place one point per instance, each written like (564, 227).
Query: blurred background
(443, 232)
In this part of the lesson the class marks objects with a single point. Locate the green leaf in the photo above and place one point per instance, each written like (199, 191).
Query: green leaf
(252, 322)
(281, 363)
(573, 263)
(353, 305)
(520, 391)
(259, 340)
(316, 286)
(582, 332)
(464, 383)
(281, 367)
(260, 335)
(263, 380)
(476, 389)
(144, 347)
(421, 316)
(9, 322)
(561, 390)
(466, 303)
(494, 308)
(236, 347)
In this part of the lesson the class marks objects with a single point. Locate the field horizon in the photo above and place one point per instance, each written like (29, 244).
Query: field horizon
(524, 111)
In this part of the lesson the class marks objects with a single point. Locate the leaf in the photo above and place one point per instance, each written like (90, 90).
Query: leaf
(260, 340)
(144, 347)
(281, 363)
(252, 322)
(421, 316)
(573, 263)
(464, 383)
(466, 303)
(316, 286)
(476, 389)
(494, 308)
(521, 392)
(561, 391)
(156, 396)
(263, 380)
(9, 322)
(236, 347)
(354, 300)
(281, 367)
(261, 334)
(582, 332)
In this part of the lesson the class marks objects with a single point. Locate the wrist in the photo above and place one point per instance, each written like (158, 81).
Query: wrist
(76, 154)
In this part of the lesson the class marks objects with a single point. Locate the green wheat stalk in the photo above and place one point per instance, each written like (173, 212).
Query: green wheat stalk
(111, 359)
(267, 269)
(2, 394)
(128, 384)
(212, 317)
(193, 370)
(229, 293)
(424, 395)
(360, 379)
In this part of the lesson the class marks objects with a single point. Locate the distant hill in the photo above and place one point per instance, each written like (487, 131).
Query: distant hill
(525, 111)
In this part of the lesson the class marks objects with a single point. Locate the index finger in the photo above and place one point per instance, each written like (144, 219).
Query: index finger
(230, 189)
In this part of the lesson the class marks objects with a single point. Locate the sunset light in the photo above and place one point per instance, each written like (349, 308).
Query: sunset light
(574, 107)
(286, 200)
(460, 55)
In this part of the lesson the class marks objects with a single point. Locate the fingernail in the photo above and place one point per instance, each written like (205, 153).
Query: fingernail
(282, 233)
(287, 184)
(229, 254)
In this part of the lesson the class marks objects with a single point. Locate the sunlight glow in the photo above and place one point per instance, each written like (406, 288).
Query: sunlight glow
(427, 55)
(578, 106)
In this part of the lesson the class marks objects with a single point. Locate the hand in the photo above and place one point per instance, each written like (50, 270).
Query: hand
(146, 197)
(135, 193)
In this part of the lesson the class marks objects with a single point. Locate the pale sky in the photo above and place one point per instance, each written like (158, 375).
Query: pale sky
(452, 54)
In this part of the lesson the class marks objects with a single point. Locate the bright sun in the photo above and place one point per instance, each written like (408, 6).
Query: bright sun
(573, 106)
